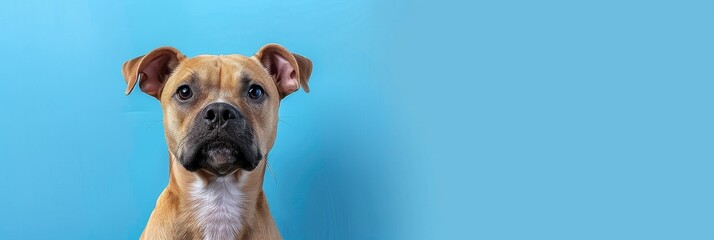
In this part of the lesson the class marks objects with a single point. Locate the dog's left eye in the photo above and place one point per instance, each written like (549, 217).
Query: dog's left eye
(184, 92)
(255, 92)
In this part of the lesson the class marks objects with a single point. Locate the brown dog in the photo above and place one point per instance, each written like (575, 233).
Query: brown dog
(220, 120)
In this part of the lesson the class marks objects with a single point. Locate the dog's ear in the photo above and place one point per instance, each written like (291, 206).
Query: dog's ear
(151, 70)
(289, 70)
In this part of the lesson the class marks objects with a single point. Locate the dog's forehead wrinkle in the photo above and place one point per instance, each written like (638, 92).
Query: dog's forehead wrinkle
(218, 64)
(190, 76)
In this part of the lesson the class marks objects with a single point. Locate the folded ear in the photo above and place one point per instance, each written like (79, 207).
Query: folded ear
(151, 70)
(289, 70)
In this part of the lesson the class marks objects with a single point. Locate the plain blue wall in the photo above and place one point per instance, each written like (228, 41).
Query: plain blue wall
(426, 120)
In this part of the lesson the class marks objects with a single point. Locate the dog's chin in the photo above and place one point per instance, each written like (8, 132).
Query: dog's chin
(222, 161)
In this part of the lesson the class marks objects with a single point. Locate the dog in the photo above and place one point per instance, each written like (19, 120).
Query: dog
(220, 116)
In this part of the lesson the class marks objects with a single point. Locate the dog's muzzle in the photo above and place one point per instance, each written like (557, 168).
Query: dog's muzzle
(220, 141)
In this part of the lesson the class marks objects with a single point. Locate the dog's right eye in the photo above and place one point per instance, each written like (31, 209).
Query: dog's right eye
(255, 92)
(184, 92)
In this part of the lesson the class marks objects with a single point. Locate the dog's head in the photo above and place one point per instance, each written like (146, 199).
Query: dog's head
(220, 112)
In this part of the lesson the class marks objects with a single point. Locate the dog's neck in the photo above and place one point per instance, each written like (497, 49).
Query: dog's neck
(219, 205)
(222, 206)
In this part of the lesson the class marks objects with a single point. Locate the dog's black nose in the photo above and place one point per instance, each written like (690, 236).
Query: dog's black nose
(218, 114)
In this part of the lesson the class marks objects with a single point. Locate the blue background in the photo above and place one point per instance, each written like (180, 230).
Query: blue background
(426, 120)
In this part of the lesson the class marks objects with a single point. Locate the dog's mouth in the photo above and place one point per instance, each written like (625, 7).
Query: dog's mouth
(218, 158)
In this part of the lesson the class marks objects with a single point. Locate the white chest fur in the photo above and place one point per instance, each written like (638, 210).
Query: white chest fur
(218, 205)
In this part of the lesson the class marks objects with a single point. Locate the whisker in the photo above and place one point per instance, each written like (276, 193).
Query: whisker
(286, 123)
(272, 173)
(153, 124)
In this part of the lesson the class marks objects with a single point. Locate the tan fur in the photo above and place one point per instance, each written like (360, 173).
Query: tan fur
(174, 216)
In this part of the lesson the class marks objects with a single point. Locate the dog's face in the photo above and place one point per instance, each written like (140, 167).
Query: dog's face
(220, 112)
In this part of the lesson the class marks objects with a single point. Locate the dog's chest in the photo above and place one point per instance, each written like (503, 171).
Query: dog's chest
(218, 207)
